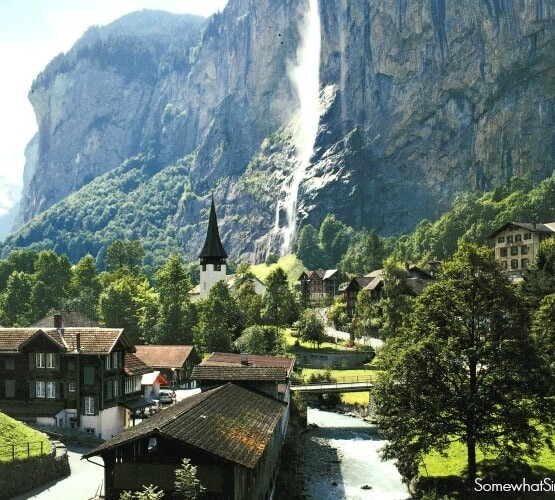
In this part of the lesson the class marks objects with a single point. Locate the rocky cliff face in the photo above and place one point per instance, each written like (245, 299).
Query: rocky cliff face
(420, 100)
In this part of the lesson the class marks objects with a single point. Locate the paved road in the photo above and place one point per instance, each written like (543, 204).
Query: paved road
(82, 484)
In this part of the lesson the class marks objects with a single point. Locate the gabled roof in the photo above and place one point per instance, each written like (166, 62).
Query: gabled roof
(153, 377)
(323, 274)
(164, 356)
(358, 283)
(99, 341)
(134, 365)
(213, 245)
(548, 227)
(252, 360)
(69, 319)
(243, 367)
(229, 422)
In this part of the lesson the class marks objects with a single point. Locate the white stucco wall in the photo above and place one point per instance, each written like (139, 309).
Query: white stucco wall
(209, 277)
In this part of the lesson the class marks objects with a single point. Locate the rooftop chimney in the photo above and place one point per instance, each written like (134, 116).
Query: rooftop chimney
(244, 359)
(58, 320)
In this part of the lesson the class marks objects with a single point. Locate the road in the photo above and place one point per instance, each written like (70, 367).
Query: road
(82, 484)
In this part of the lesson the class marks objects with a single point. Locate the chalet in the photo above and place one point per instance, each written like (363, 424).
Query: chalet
(517, 243)
(373, 282)
(268, 374)
(72, 377)
(230, 433)
(321, 285)
(174, 362)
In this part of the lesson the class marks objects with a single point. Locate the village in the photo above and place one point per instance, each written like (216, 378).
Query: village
(66, 373)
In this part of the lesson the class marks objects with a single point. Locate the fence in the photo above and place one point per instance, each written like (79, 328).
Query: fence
(21, 450)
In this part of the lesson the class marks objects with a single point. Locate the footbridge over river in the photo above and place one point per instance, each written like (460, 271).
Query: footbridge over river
(346, 384)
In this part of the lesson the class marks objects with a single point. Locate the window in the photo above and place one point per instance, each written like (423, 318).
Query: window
(514, 250)
(501, 239)
(51, 390)
(518, 237)
(504, 264)
(10, 364)
(40, 389)
(509, 239)
(50, 360)
(514, 264)
(90, 430)
(503, 252)
(524, 263)
(89, 407)
(524, 249)
(40, 360)
(10, 388)
(116, 387)
(88, 375)
(217, 267)
(108, 362)
(116, 359)
(71, 387)
(527, 236)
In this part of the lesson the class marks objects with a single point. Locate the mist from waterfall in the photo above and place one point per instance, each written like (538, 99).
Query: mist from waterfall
(305, 77)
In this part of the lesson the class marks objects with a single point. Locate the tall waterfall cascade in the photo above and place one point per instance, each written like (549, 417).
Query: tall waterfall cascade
(305, 77)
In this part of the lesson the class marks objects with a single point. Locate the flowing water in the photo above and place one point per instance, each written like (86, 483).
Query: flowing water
(343, 462)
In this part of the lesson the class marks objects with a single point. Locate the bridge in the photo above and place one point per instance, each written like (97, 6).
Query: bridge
(346, 384)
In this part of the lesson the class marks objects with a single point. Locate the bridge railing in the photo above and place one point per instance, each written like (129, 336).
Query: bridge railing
(342, 380)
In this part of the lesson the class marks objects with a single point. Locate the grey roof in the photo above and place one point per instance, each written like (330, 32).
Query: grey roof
(213, 245)
(229, 422)
(548, 227)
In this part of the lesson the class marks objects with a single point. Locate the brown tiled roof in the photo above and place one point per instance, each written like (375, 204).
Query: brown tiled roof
(239, 373)
(69, 319)
(164, 356)
(93, 340)
(253, 360)
(229, 422)
(134, 365)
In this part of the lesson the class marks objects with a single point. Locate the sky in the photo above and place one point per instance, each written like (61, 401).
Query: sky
(32, 33)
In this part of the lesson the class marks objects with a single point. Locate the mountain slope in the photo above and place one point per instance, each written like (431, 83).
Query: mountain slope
(418, 101)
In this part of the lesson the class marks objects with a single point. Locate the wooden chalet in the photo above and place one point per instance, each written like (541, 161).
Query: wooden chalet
(232, 434)
(71, 377)
(174, 362)
(321, 285)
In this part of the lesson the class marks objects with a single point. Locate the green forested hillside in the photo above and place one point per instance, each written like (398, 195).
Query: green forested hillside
(474, 216)
(134, 201)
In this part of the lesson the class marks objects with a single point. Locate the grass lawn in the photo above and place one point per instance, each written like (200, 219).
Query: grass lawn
(292, 266)
(455, 462)
(15, 433)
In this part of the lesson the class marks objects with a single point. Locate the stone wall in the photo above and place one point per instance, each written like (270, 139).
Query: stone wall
(20, 476)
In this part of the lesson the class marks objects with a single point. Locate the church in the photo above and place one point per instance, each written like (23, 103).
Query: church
(213, 263)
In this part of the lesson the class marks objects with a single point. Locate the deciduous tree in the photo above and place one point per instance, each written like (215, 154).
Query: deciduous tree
(465, 369)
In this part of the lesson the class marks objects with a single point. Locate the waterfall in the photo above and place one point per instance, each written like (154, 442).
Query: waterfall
(305, 77)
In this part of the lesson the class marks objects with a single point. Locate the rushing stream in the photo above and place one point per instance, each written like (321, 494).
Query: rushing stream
(342, 460)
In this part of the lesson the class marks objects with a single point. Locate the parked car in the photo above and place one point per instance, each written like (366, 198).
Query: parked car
(166, 396)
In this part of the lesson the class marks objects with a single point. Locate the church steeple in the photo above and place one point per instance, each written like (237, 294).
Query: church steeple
(213, 250)
(212, 256)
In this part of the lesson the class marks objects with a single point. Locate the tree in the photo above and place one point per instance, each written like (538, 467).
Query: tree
(543, 332)
(124, 255)
(261, 339)
(464, 369)
(311, 327)
(17, 306)
(337, 315)
(365, 254)
(218, 320)
(334, 237)
(187, 484)
(176, 314)
(308, 249)
(279, 305)
(249, 304)
(538, 280)
(84, 288)
(149, 492)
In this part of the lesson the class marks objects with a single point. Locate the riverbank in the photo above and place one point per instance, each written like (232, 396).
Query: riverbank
(337, 457)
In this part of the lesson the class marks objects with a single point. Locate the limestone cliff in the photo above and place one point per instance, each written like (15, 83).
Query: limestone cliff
(420, 100)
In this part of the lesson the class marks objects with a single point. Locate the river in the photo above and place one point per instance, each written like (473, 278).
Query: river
(340, 460)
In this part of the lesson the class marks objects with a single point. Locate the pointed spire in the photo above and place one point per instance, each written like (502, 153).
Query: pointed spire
(213, 247)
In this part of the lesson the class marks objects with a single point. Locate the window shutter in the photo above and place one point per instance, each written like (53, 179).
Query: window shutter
(57, 361)
(31, 361)
(32, 393)
(63, 390)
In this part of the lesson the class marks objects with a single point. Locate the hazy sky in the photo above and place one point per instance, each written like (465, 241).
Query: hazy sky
(32, 32)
